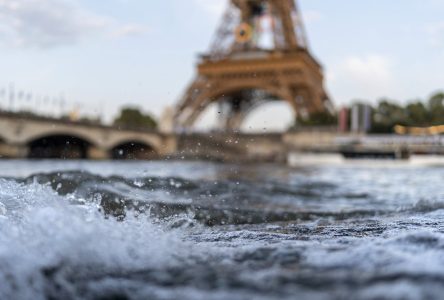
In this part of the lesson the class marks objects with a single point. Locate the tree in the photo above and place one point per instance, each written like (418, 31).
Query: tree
(318, 119)
(436, 107)
(417, 114)
(386, 115)
(133, 118)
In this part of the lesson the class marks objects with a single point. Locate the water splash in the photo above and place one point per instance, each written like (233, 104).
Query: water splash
(319, 233)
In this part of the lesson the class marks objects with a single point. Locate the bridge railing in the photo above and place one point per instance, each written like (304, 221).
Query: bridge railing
(390, 140)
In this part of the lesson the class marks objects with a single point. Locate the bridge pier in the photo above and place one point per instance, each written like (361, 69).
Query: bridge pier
(169, 145)
(96, 153)
(13, 151)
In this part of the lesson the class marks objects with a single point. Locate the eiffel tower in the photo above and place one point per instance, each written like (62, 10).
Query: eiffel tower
(242, 71)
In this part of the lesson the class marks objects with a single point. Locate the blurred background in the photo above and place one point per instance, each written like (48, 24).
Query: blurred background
(88, 59)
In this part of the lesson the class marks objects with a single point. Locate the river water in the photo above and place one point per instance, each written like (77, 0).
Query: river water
(198, 230)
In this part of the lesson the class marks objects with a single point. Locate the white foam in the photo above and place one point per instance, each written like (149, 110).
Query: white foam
(41, 230)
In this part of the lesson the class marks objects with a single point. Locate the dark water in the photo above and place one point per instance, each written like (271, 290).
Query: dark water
(177, 230)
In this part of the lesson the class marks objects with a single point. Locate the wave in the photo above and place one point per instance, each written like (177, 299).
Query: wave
(209, 202)
(77, 235)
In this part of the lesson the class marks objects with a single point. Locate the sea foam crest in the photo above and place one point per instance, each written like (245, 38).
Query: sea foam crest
(42, 235)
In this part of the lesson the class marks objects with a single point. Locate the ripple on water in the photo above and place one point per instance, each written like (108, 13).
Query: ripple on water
(321, 233)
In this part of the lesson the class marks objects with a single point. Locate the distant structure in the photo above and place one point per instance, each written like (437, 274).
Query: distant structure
(244, 69)
(361, 118)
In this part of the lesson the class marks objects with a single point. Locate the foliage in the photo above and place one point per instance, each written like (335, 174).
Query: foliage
(318, 119)
(133, 118)
(389, 113)
(436, 108)
(386, 115)
(90, 120)
(416, 113)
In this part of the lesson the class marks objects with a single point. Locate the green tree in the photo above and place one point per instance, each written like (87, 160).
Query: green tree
(436, 107)
(133, 118)
(318, 119)
(417, 114)
(386, 115)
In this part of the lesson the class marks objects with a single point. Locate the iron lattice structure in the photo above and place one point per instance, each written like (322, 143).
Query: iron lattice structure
(240, 72)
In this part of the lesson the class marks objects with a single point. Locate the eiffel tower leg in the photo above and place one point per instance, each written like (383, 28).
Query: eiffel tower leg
(195, 110)
(300, 100)
(236, 121)
(307, 101)
(192, 103)
(233, 121)
(230, 115)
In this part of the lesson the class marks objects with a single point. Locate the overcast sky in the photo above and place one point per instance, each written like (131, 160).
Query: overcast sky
(103, 54)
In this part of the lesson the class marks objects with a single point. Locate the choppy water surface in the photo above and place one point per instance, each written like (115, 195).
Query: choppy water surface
(183, 230)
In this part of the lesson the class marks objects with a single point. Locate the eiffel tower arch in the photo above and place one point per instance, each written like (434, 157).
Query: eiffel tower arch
(240, 74)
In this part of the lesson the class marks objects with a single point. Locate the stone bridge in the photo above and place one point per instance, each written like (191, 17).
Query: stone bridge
(35, 137)
(42, 138)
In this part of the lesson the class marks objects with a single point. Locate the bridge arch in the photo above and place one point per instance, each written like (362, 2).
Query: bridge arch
(133, 150)
(58, 146)
(44, 130)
